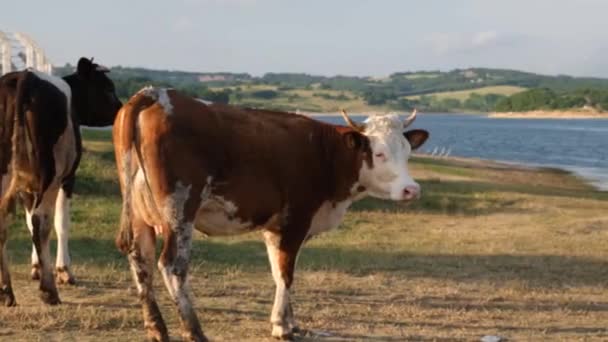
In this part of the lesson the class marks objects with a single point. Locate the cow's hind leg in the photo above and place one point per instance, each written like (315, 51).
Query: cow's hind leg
(282, 253)
(35, 273)
(6, 290)
(39, 221)
(141, 258)
(173, 265)
(62, 228)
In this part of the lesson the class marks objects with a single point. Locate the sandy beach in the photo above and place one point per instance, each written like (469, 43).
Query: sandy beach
(552, 114)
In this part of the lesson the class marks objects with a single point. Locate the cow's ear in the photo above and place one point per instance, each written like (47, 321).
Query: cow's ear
(84, 68)
(416, 137)
(354, 140)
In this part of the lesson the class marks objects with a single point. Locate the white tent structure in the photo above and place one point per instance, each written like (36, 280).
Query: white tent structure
(19, 51)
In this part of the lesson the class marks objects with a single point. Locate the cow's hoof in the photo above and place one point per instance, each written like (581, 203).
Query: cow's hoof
(157, 335)
(50, 297)
(64, 276)
(35, 272)
(285, 337)
(156, 338)
(282, 333)
(7, 297)
(195, 337)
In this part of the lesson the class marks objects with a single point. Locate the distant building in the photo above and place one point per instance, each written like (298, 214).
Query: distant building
(212, 78)
(469, 74)
(19, 51)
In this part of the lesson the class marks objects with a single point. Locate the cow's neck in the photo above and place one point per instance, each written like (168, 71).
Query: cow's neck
(345, 167)
(76, 107)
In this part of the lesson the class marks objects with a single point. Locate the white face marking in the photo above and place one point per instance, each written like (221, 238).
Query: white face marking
(328, 216)
(389, 176)
(159, 95)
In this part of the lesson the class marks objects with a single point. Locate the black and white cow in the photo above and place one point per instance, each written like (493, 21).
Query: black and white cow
(40, 149)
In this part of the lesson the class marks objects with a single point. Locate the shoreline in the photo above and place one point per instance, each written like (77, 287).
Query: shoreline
(534, 114)
(550, 114)
(593, 180)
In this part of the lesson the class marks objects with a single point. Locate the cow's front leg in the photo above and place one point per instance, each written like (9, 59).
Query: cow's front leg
(62, 228)
(282, 253)
(39, 221)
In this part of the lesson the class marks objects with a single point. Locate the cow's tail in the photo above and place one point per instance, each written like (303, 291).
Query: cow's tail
(22, 151)
(126, 145)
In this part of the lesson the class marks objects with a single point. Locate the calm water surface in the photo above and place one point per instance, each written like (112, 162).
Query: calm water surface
(579, 146)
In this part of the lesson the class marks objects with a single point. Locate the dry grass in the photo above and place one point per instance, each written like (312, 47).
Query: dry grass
(488, 250)
(304, 100)
(462, 95)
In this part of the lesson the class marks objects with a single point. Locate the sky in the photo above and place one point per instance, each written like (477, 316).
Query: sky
(324, 37)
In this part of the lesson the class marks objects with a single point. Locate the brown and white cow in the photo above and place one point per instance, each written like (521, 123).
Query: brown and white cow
(40, 148)
(224, 170)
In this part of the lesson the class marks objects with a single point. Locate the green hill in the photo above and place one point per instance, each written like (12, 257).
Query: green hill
(474, 89)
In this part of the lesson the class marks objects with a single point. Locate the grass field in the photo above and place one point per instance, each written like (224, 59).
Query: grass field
(488, 250)
(308, 100)
(462, 95)
(305, 100)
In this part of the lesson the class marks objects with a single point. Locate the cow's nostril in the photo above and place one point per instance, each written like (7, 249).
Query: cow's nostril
(411, 192)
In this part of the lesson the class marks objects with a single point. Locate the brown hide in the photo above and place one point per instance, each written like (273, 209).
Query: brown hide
(264, 162)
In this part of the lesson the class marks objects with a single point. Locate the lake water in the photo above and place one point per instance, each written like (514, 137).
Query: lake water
(579, 146)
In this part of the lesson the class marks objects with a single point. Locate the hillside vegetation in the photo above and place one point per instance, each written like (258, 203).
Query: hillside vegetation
(547, 99)
(475, 89)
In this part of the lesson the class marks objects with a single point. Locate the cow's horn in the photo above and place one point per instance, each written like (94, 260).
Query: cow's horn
(410, 119)
(357, 127)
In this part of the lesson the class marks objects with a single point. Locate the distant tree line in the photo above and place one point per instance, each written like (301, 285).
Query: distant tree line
(544, 98)
(126, 87)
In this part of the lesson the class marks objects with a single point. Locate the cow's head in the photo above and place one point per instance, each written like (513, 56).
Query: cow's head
(390, 145)
(95, 99)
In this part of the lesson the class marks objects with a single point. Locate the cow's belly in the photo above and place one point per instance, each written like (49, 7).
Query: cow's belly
(328, 216)
(217, 216)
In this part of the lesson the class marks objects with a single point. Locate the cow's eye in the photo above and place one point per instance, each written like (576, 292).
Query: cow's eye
(380, 156)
